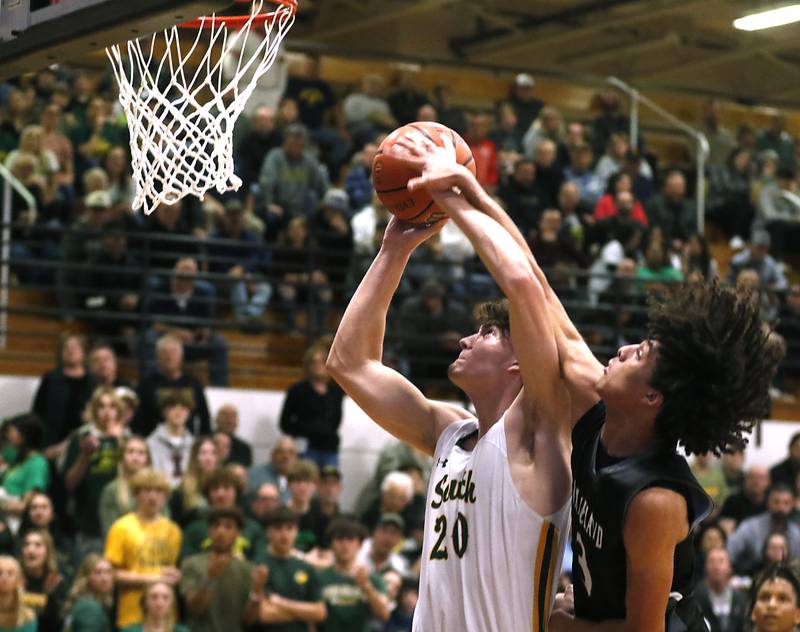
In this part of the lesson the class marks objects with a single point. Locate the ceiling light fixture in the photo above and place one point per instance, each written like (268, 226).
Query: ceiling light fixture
(768, 19)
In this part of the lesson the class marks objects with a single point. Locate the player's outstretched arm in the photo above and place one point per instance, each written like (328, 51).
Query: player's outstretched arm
(532, 331)
(355, 357)
(580, 369)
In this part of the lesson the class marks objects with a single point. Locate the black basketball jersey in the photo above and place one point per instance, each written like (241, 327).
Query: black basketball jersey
(600, 498)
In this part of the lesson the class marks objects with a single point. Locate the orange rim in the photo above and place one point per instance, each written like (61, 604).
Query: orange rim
(238, 21)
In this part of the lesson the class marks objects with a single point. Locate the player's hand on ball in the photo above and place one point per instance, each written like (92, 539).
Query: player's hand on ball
(440, 171)
(407, 236)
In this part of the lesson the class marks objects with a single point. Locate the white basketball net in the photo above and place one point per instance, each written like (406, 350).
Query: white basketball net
(181, 113)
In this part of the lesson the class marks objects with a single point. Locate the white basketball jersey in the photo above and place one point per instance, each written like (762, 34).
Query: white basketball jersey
(489, 562)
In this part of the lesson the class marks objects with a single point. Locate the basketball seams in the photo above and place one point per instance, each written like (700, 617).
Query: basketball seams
(392, 177)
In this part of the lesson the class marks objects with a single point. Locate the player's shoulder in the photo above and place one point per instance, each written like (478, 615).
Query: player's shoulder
(657, 508)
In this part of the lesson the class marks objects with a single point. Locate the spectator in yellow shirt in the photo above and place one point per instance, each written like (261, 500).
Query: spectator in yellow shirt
(143, 546)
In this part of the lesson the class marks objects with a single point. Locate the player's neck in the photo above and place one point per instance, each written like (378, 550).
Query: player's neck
(625, 435)
(489, 407)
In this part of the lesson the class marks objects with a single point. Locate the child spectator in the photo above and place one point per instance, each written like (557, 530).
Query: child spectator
(143, 546)
(223, 490)
(116, 498)
(220, 589)
(45, 587)
(15, 616)
(91, 463)
(187, 501)
(91, 598)
(293, 587)
(303, 479)
(27, 469)
(171, 443)
(158, 610)
(353, 596)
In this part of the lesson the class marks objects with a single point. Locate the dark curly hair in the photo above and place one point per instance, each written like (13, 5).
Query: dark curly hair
(716, 361)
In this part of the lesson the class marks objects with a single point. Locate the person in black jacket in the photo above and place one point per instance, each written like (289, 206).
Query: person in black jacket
(787, 470)
(168, 378)
(724, 607)
(312, 410)
(63, 393)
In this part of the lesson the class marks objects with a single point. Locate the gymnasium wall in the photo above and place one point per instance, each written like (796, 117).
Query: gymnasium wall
(362, 440)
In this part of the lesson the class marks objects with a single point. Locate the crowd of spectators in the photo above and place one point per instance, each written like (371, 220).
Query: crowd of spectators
(607, 220)
(137, 509)
(129, 508)
(125, 505)
(754, 527)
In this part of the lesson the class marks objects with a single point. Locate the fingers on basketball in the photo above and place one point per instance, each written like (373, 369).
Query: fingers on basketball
(391, 173)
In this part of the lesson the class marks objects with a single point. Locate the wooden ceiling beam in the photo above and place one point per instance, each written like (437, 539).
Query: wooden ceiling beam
(528, 39)
(379, 15)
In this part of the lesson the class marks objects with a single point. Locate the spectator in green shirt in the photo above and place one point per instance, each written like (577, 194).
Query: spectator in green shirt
(158, 608)
(28, 470)
(91, 598)
(222, 592)
(353, 595)
(293, 598)
(223, 489)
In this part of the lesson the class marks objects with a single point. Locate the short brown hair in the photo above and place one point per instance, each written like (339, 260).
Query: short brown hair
(303, 470)
(223, 477)
(493, 314)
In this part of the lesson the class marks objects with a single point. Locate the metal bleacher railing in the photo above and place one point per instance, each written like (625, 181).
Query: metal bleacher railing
(418, 341)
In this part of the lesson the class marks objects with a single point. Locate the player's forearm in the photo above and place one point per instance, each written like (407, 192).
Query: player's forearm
(497, 249)
(359, 337)
(310, 612)
(483, 201)
(377, 603)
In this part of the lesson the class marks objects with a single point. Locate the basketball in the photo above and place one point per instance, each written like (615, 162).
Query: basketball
(390, 175)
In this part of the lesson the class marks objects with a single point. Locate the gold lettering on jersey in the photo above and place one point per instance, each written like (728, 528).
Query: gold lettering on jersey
(454, 489)
(585, 518)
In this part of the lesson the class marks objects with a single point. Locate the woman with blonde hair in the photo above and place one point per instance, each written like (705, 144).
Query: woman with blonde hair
(188, 501)
(45, 588)
(116, 498)
(15, 616)
(158, 608)
(91, 598)
(91, 462)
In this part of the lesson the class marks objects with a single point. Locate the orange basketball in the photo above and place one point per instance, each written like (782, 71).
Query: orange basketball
(390, 176)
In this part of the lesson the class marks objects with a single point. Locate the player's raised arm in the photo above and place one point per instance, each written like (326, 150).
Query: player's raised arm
(532, 331)
(579, 367)
(355, 357)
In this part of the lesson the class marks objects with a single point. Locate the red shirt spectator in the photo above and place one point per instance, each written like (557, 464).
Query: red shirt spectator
(607, 207)
(483, 150)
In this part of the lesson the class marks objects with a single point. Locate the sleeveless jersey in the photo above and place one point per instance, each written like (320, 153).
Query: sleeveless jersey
(600, 498)
(489, 562)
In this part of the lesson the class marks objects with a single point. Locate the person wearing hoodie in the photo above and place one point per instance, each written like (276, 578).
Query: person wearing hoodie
(170, 443)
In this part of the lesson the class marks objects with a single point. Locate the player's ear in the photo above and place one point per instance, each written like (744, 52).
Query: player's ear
(654, 398)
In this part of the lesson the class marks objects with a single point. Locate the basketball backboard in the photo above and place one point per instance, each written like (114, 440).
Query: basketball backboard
(35, 34)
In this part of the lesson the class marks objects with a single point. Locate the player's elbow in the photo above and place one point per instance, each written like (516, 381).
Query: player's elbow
(520, 283)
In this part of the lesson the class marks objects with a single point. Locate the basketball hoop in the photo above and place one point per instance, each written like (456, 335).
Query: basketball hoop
(181, 118)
